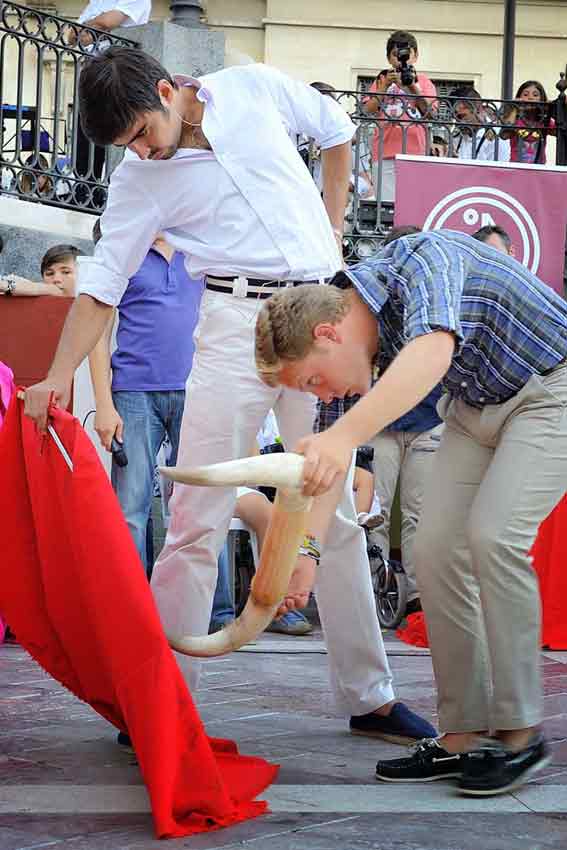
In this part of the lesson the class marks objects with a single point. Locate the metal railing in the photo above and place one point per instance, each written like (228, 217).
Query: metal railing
(44, 155)
(454, 127)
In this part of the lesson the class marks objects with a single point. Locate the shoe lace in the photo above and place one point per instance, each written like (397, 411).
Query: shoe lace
(487, 752)
(421, 748)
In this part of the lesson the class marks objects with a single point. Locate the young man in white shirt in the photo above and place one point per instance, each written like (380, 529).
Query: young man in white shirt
(211, 163)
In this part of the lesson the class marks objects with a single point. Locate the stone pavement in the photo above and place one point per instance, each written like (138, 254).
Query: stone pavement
(66, 785)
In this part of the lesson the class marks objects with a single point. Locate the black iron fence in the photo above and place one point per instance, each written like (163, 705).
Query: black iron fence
(44, 155)
(461, 126)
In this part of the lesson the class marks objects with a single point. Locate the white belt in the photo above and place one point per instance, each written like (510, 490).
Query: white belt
(243, 287)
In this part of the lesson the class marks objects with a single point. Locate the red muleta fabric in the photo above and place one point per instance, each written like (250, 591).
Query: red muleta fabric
(415, 630)
(550, 563)
(549, 554)
(6, 391)
(75, 594)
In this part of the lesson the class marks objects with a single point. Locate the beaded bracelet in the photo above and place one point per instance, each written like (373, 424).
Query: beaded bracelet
(308, 554)
(310, 547)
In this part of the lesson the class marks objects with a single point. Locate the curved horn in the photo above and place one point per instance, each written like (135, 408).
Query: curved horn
(273, 470)
(279, 552)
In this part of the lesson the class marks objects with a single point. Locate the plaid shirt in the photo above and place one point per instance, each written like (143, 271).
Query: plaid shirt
(508, 324)
(327, 414)
(423, 416)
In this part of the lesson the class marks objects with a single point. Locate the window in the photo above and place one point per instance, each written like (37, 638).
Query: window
(444, 89)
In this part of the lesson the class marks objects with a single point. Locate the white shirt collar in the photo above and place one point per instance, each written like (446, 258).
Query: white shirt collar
(203, 93)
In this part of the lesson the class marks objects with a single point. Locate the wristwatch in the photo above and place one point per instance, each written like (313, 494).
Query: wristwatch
(10, 282)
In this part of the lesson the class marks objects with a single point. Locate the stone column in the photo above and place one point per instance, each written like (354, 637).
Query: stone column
(186, 13)
(191, 49)
(187, 49)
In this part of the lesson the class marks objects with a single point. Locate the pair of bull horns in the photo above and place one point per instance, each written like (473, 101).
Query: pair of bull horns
(279, 552)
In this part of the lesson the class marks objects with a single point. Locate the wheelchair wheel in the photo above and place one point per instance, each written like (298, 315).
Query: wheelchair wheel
(390, 591)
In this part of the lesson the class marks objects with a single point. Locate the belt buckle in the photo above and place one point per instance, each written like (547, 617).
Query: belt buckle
(240, 287)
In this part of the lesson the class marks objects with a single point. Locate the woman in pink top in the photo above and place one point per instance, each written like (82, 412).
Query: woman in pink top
(403, 99)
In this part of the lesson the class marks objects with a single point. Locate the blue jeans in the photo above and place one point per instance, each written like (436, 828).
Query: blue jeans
(148, 418)
(223, 603)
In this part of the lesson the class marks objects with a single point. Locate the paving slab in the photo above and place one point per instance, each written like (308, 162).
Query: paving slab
(66, 785)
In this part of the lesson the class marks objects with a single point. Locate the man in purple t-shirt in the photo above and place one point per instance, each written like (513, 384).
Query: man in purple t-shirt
(143, 403)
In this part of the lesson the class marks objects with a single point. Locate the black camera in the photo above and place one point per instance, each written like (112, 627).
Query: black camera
(364, 457)
(408, 75)
(119, 455)
(273, 448)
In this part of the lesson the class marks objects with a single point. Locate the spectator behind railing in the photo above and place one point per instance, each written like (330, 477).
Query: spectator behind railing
(532, 124)
(108, 15)
(361, 178)
(402, 95)
(308, 151)
(497, 237)
(103, 15)
(58, 272)
(471, 139)
(439, 146)
(34, 185)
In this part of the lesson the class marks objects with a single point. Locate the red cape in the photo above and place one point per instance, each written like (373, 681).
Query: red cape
(550, 563)
(549, 554)
(74, 592)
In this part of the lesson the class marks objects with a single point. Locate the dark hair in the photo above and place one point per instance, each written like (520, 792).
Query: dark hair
(28, 181)
(401, 37)
(59, 254)
(97, 232)
(115, 87)
(467, 92)
(402, 230)
(483, 233)
(364, 458)
(324, 88)
(538, 86)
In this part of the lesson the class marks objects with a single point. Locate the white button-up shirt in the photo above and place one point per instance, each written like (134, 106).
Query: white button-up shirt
(137, 11)
(247, 207)
(484, 146)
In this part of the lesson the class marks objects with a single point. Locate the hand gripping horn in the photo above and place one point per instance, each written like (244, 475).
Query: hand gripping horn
(279, 553)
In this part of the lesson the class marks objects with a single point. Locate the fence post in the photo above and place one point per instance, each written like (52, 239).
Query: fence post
(561, 120)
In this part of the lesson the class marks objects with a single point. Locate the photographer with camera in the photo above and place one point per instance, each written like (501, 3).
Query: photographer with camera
(403, 99)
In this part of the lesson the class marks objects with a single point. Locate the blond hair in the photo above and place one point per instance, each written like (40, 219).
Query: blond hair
(285, 325)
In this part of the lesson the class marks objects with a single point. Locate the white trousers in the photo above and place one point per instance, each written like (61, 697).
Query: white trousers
(225, 407)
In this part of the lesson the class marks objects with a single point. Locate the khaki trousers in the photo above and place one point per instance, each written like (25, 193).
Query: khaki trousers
(497, 474)
(406, 457)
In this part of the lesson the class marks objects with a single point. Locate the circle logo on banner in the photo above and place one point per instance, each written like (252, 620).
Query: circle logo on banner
(478, 206)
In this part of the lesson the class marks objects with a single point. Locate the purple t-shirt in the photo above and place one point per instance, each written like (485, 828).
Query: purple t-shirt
(156, 319)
